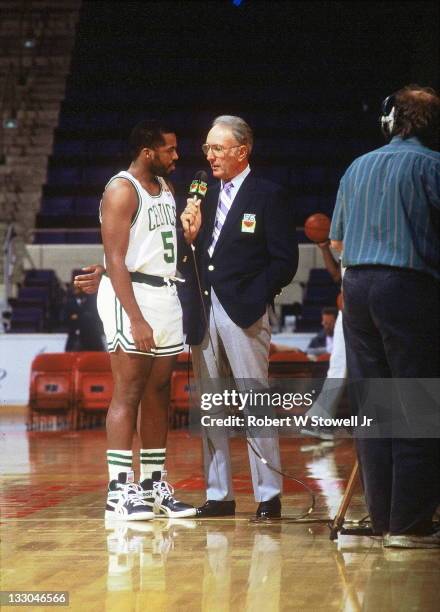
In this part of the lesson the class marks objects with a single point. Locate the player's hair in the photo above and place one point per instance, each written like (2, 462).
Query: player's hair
(417, 113)
(147, 134)
(240, 129)
(330, 310)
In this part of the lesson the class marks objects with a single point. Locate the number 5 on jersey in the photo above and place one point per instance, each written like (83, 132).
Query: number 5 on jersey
(168, 246)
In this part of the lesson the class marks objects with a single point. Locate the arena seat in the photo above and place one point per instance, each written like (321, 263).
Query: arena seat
(87, 205)
(69, 147)
(321, 295)
(310, 319)
(59, 237)
(180, 400)
(110, 146)
(290, 364)
(34, 293)
(320, 276)
(92, 388)
(27, 320)
(57, 205)
(98, 175)
(86, 237)
(64, 175)
(51, 387)
(183, 358)
(289, 356)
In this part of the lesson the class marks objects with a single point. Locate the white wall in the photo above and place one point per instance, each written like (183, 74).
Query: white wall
(63, 258)
(16, 354)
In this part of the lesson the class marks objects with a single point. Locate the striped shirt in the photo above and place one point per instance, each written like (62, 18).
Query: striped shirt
(237, 182)
(388, 208)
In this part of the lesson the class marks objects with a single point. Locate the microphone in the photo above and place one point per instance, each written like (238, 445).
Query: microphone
(199, 186)
(198, 189)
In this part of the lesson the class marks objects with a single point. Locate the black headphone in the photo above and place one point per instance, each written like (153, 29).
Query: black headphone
(388, 116)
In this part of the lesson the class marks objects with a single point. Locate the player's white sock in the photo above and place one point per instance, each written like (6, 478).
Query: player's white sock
(151, 460)
(119, 461)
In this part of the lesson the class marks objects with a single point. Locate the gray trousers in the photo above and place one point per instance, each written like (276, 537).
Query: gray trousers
(243, 353)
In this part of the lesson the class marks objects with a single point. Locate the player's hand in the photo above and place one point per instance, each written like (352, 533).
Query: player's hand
(324, 245)
(142, 335)
(191, 219)
(340, 300)
(89, 283)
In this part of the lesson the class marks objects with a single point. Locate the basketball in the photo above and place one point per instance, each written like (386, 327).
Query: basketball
(317, 227)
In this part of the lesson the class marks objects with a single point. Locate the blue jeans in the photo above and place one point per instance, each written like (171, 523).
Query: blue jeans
(391, 328)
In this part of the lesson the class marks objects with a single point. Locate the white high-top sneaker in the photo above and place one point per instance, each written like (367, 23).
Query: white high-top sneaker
(125, 500)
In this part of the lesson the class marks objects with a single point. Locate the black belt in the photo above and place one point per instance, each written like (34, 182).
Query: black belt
(150, 279)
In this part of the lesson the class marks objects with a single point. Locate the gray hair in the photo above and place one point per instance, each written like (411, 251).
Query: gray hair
(239, 128)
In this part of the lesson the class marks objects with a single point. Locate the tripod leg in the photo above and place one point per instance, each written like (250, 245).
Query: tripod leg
(338, 521)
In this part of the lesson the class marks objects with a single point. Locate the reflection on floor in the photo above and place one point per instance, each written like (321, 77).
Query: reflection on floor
(53, 535)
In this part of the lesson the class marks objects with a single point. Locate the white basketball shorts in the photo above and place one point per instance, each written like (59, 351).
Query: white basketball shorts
(160, 307)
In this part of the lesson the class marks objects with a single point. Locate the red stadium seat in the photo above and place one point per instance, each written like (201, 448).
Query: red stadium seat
(183, 358)
(180, 400)
(51, 388)
(289, 356)
(93, 387)
(290, 364)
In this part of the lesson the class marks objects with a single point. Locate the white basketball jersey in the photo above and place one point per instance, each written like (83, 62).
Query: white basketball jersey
(152, 247)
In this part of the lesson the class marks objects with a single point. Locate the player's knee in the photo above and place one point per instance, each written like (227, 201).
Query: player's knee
(129, 391)
(161, 385)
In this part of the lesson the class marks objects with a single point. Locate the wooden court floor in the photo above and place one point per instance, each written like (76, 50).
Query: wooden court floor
(53, 535)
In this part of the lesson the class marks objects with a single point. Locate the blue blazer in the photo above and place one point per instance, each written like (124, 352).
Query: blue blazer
(255, 256)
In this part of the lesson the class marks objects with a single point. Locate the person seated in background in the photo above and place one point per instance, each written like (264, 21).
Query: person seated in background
(83, 323)
(323, 341)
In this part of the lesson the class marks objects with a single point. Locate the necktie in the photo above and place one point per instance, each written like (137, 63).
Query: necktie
(223, 206)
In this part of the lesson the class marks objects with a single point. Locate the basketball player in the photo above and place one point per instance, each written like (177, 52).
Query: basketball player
(142, 317)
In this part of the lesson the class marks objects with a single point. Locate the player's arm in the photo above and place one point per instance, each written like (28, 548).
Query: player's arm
(333, 267)
(338, 245)
(119, 205)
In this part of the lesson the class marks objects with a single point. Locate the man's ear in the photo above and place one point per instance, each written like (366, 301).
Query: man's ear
(244, 153)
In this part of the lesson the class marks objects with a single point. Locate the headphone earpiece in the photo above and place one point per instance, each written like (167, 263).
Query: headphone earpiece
(388, 116)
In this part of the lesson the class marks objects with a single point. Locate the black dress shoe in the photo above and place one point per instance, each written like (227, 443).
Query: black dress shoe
(269, 509)
(216, 508)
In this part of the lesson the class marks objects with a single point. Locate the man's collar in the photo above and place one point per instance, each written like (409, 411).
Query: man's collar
(238, 178)
(412, 140)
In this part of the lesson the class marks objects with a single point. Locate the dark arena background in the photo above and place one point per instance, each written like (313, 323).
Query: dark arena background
(76, 77)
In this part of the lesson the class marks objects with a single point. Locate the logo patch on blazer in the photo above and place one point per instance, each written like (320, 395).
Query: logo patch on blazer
(248, 223)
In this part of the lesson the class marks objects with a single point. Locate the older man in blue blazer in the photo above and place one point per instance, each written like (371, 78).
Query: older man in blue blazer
(246, 252)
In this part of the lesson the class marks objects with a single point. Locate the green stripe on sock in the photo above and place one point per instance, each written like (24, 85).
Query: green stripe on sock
(152, 455)
(128, 464)
(151, 462)
(119, 455)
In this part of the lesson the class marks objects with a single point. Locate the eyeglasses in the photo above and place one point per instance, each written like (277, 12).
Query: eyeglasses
(217, 150)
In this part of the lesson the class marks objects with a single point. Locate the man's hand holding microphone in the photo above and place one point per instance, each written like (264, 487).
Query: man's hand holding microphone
(191, 217)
